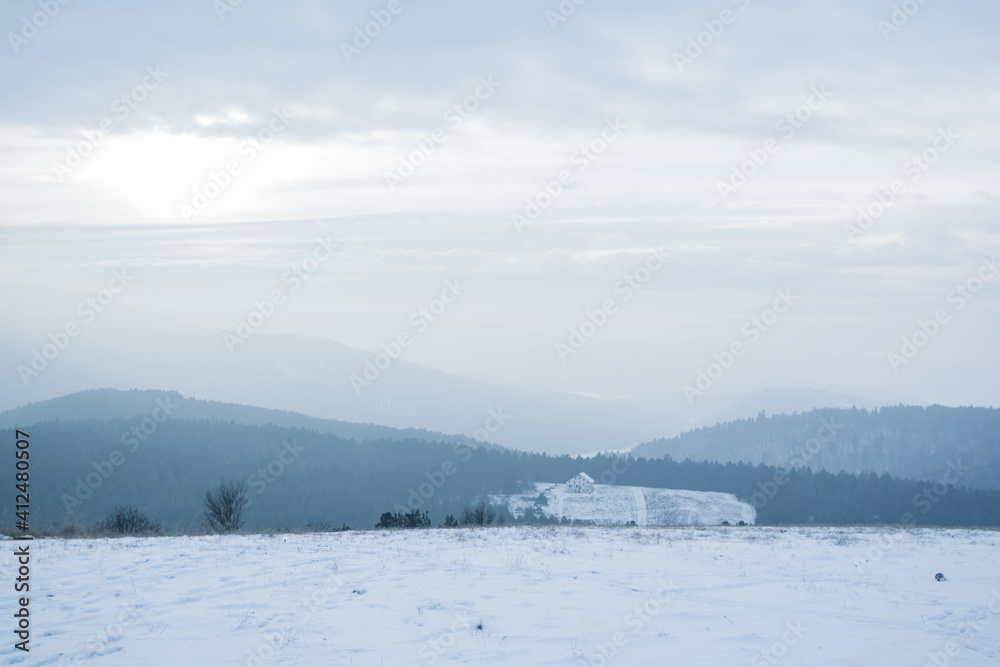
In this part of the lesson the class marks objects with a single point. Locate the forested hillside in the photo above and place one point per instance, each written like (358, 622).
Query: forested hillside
(104, 404)
(913, 442)
(81, 469)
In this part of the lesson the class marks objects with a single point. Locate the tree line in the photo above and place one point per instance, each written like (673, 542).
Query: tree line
(295, 477)
(904, 441)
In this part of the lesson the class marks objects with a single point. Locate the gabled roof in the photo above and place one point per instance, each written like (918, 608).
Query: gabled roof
(586, 477)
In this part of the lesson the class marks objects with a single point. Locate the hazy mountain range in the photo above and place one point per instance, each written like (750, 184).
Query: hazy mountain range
(313, 376)
(913, 442)
(94, 450)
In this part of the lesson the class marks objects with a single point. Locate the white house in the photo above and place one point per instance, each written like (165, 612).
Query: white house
(582, 483)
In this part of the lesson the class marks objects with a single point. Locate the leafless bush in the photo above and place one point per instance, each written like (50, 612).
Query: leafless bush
(224, 506)
(128, 520)
(480, 515)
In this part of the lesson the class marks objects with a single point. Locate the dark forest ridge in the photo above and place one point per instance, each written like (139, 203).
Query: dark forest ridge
(108, 404)
(160, 452)
(904, 441)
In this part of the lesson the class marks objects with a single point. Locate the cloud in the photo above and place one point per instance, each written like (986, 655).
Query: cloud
(688, 129)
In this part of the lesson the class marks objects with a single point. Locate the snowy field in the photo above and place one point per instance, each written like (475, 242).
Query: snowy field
(612, 504)
(517, 596)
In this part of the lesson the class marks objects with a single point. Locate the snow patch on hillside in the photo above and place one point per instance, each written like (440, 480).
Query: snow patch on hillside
(613, 505)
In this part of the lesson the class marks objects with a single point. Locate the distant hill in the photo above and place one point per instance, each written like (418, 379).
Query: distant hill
(80, 469)
(108, 404)
(788, 400)
(921, 443)
(313, 376)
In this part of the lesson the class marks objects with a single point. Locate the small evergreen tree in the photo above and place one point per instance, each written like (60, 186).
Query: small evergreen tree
(412, 519)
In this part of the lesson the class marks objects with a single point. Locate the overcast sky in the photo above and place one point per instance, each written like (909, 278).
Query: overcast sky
(208, 146)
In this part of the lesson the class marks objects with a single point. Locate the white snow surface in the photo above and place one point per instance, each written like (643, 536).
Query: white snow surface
(554, 595)
(610, 504)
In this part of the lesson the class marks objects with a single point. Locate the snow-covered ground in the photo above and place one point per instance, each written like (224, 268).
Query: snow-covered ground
(517, 596)
(621, 504)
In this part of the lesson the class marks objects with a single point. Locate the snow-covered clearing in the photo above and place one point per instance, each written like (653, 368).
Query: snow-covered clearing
(613, 504)
(518, 596)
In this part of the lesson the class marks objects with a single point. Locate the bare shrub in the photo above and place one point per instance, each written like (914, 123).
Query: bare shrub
(224, 506)
(480, 515)
(128, 520)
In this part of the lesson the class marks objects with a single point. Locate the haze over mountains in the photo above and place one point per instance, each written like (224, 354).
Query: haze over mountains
(312, 376)
(388, 270)
(325, 264)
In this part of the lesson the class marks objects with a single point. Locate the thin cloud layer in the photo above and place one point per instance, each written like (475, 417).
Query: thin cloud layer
(845, 152)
